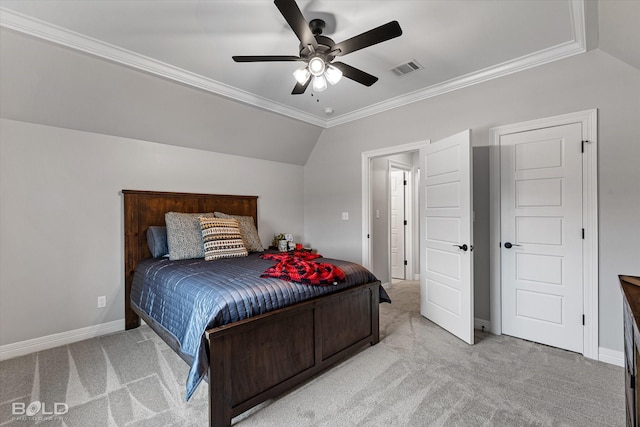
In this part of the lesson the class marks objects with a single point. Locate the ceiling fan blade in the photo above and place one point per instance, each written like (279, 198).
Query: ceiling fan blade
(299, 89)
(379, 34)
(266, 58)
(292, 14)
(355, 74)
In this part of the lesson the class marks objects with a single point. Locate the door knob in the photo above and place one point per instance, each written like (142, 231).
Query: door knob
(508, 245)
(463, 247)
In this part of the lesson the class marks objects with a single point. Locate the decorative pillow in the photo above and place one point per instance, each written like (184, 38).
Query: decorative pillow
(247, 229)
(184, 237)
(157, 241)
(222, 238)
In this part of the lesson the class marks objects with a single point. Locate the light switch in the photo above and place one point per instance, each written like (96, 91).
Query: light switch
(378, 213)
(345, 216)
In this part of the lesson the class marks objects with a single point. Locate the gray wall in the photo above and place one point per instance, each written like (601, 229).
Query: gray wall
(379, 181)
(61, 216)
(76, 131)
(591, 80)
(52, 85)
(481, 233)
(49, 174)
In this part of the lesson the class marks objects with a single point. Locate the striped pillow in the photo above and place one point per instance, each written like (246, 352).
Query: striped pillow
(222, 238)
(248, 230)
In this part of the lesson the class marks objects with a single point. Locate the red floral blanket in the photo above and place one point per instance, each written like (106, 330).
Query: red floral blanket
(297, 266)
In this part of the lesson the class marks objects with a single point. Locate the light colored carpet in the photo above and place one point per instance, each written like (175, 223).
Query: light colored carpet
(418, 375)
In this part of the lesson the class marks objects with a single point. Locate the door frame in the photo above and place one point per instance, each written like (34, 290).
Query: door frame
(408, 208)
(366, 158)
(589, 121)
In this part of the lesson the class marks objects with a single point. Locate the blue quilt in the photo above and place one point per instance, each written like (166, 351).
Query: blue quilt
(190, 296)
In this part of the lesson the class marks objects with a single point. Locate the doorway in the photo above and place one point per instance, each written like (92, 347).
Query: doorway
(544, 232)
(392, 229)
(400, 202)
(442, 230)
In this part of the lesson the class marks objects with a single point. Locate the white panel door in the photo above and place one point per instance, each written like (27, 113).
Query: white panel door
(397, 178)
(446, 261)
(541, 236)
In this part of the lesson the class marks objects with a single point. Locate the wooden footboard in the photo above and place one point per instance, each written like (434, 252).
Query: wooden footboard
(263, 357)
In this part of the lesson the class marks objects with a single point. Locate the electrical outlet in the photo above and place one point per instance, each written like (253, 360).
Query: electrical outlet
(102, 301)
(345, 216)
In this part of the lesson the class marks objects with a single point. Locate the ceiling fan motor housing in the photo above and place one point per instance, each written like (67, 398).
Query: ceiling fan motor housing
(317, 26)
(325, 47)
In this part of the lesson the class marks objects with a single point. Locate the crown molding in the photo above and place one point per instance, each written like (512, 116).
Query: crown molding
(62, 36)
(71, 39)
(520, 64)
(554, 53)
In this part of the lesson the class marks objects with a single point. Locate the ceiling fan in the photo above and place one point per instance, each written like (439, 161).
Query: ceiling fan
(319, 51)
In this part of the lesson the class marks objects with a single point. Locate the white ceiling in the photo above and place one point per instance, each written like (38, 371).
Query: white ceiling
(458, 42)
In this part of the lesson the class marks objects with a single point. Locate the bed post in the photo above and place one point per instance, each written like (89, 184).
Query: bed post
(132, 256)
(219, 382)
(375, 315)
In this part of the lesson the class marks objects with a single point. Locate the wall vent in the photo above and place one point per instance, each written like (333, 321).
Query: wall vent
(406, 68)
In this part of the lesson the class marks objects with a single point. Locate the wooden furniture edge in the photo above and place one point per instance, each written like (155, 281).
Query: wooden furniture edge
(630, 286)
(222, 350)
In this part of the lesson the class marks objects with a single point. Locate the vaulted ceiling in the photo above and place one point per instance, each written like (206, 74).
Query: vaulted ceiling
(457, 43)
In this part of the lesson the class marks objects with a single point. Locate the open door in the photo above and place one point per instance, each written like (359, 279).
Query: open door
(446, 228)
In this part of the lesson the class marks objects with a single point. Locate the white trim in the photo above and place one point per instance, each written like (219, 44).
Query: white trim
(509, 67)
(366, 189)
(495, 295)
(589, 120)
(613, 357)
(21, 348)
(62, 36)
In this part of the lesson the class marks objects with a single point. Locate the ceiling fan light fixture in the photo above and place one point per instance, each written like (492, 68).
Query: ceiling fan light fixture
(302, 75)
(318, 50)
(316, 66)
(333, 74)
(319, 83)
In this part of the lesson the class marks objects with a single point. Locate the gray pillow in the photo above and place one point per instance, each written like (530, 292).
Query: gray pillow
(184, 236)
(248, 230)
(157, 240)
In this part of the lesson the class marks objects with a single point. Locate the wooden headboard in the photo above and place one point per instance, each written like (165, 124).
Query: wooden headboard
(145, 208)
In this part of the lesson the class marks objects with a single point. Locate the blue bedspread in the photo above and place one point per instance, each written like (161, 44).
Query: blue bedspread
(188, 297)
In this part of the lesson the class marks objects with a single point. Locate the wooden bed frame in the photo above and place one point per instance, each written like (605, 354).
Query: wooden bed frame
(265, 356)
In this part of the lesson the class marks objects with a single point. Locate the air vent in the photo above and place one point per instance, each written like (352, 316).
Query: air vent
(406, 68)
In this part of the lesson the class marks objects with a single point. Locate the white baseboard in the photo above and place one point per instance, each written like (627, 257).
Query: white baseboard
(612, 357)
(605, 355)
(479, 323)
(386, 285)
(21, 348)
